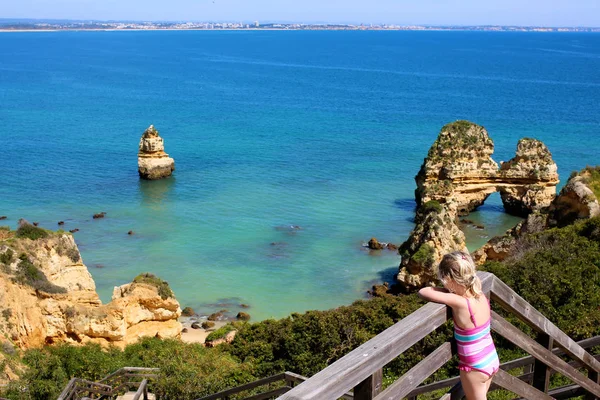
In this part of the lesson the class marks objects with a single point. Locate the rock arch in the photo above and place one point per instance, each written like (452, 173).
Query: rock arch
(456, 177)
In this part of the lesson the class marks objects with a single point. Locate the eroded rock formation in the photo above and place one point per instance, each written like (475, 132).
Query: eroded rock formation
(576, 201)
(457, 177)
(47, 296)
(153, 162)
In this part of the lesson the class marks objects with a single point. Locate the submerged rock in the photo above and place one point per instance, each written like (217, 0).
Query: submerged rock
(153, 162)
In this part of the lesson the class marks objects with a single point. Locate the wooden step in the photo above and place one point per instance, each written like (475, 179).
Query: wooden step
(129, 396)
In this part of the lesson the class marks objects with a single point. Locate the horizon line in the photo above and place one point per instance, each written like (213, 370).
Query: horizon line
(301, 23)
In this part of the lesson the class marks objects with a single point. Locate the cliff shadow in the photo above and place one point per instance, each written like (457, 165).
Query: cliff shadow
(409, 205)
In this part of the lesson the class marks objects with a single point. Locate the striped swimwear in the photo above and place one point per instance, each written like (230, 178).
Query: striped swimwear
(476, 350)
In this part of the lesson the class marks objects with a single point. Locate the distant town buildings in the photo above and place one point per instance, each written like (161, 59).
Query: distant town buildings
(127, 25)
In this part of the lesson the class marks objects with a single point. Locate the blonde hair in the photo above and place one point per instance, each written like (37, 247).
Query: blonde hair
(460, 267)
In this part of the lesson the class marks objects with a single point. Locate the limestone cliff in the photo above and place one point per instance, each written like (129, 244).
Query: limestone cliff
(578, 199)
(153, 162)
(457, 177)
(528, 181)
(47, 295)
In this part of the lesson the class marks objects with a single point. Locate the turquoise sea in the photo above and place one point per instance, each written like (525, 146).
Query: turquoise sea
(292, 149)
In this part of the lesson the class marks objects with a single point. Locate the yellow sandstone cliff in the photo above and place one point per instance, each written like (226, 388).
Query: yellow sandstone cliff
(47, 295)
(456, 177)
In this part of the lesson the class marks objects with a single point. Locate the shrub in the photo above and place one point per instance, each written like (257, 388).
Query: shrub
(6, 258)
(432, 206)
(558, 272)
(424, 255)
(29, 231)
(164, 291)
(220, 333)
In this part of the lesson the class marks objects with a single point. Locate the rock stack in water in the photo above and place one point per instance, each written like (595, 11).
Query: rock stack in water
(457, 177)
(153, 162)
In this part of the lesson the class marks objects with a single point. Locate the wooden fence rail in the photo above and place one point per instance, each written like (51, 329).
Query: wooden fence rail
(361, 368)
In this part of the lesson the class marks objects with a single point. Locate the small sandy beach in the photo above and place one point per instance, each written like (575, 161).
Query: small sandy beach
(197, 335)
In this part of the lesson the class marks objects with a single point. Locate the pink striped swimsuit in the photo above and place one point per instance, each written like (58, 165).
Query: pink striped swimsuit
(476, 350)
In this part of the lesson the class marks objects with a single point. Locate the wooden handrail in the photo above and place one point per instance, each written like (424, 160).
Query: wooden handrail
(364, 361)
(353, 368)
(507, 366)
(356, 367)
(414, 377)
(508, 331)
(142, 391)
(514, 303)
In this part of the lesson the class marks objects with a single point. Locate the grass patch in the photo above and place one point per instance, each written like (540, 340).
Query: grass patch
(432, 206)
(6, 258)
(164, 291)
(220, 333)
(591, 176)
(424, 255)
(31, 232)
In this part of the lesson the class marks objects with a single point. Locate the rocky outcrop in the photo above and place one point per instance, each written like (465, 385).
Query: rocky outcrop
(435, 234)
(153, 162)
(577, 199)
(528, 181)
(48, 296)
(457, 177)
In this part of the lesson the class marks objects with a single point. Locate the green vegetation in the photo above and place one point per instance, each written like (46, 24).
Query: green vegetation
(220, 333)
(31, 232)
(431, 206)
(591, 177)
(164, 290)
(188, 371)
(6, 258)
(424, 255)
(459, 127)
(557, 271)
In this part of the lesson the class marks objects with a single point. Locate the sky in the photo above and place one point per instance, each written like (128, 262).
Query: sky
(403, 12)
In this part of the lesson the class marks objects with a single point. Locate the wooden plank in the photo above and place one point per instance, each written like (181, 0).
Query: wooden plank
(517, 386)
(511, 301)
(417, 374)
(456, 392)
(247, 386)
(269, 395)
(593, 376)
(541, 372)
(354, 367)
(523, 341)
(370, 387)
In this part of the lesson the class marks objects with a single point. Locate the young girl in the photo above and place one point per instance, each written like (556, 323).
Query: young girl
(478, 360)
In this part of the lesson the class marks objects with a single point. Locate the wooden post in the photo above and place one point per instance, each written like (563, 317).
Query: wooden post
(370, 387)
(541, 372)
(594, 376)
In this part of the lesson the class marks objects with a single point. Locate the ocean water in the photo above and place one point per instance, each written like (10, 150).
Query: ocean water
(292, 149)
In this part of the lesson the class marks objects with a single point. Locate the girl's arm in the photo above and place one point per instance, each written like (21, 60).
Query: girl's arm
(443, 296)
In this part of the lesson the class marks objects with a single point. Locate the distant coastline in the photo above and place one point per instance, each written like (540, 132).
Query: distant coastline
(54, 26)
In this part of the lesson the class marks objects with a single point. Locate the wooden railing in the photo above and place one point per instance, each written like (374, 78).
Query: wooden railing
(128, 378)
(289, 380)
(116, 383)
(361, 369)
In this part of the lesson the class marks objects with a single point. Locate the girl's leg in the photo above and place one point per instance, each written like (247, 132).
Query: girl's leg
(475, 384)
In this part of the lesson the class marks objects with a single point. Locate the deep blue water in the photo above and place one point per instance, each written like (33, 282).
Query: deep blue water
(321, 130)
